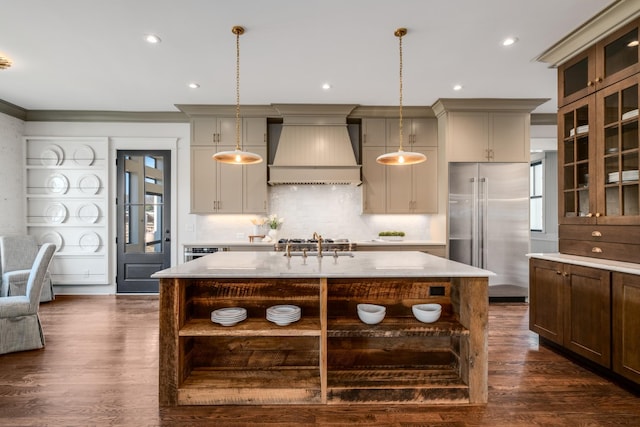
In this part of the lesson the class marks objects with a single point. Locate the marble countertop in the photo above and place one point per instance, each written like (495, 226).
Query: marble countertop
(622, 267)
(360, 264)
(373, 242)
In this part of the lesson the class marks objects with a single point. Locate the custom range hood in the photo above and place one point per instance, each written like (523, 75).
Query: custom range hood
(314, 146)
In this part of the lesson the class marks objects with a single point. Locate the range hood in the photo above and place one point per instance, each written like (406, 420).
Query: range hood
(314, 146)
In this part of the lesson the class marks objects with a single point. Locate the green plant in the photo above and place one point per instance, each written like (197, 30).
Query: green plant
(391, 233)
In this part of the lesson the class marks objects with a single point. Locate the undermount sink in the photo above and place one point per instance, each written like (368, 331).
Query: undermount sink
(324, 254)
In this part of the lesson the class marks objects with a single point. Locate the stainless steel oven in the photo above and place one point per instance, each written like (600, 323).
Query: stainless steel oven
(192, 252)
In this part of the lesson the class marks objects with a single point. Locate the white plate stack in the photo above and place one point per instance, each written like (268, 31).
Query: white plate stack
(283, 315)
(229, 316)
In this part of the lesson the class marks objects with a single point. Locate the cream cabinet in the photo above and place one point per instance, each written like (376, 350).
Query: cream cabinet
(399, 189)
(488, 136)
(223, 188)
(213, 131)
(374, 132)
(66, 189)
(417, 132)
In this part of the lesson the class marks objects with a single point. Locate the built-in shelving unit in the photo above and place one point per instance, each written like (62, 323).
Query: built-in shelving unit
(327, 357)
(67, 204)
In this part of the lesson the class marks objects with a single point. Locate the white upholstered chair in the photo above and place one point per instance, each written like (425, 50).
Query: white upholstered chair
(20, 327)
(17, 254)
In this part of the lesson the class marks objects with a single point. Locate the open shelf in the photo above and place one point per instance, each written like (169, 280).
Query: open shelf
(252, 327)
(395, 327)
(229, 386)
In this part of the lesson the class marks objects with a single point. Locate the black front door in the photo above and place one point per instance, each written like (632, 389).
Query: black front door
(143, 216)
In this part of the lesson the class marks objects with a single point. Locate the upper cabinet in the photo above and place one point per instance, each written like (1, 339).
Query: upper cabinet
(485, 130)
(409, 189)
(223, 188)
(609, 61)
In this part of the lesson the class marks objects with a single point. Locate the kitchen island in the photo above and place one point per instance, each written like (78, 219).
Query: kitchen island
(329, 356)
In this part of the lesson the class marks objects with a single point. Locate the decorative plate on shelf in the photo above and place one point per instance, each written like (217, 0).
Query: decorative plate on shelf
(88, 213)
(57, 183)
(89, 184)
(52, 237)
(55, 213)
(84, 155)
(53, 155)
(89, 242)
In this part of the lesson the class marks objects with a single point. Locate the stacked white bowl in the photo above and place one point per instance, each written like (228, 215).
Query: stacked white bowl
(283, 315)
(371, 314)
(229, 316)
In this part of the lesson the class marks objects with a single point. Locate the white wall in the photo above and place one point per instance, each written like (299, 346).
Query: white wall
(333, 211)
(12, 212)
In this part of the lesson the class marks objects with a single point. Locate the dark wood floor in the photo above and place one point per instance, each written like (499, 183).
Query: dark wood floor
(100, 367)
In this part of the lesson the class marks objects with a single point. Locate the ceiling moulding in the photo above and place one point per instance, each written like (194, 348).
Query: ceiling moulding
(391, 111)
(544, 119)
(443, 105)
(106, 116)
(600, 26)
(13, 110)
(193, 110)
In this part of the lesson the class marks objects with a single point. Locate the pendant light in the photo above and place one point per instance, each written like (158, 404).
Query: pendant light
(401, 157)
(237, 156)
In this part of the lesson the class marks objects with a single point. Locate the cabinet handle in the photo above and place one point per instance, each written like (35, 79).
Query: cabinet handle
(213, 138)
(596, 250)
(596, 234)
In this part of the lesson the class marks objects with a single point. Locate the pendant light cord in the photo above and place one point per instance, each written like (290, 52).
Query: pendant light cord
(238, 89)
(401, 119)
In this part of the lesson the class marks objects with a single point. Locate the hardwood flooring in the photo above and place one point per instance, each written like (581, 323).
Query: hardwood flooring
(100, 368)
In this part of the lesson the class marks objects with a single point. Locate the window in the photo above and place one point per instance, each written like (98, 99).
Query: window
(536, 219)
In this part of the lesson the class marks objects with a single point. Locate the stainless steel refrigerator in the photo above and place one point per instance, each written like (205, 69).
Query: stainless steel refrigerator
(489, 223)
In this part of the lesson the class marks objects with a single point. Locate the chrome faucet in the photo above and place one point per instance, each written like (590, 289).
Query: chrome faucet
(319, 238)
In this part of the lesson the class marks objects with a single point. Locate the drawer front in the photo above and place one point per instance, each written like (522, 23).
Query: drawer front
(601, 233)
(604, 250)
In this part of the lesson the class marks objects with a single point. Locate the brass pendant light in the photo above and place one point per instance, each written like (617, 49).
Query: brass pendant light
(401, 157)
(237, 156)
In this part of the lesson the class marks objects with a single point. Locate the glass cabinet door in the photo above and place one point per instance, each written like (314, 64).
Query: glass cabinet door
(576, 129)
(618, 153)
(617, 55)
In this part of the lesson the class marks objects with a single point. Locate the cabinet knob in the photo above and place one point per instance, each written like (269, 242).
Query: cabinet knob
(565, 274)
(589, 215)
(589, 83)
(558, 272)
(596, 234)
(598, 79)
(598, 214)
(596, 250)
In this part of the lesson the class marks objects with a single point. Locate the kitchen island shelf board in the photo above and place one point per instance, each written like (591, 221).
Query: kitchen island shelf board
(329, 356)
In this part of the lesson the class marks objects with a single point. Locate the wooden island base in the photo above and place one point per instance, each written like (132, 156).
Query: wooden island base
(329, 356)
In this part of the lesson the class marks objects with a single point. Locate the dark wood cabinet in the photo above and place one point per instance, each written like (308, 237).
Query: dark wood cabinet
(610, 60)
(626, 326)
(570, 305)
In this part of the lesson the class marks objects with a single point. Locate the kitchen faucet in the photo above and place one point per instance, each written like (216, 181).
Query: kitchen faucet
(319, 238)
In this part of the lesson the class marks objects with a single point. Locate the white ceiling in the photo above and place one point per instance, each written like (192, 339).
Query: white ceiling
(90, 54)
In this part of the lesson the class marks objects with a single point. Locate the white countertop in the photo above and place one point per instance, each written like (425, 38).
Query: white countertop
(622, 267)
(220, 244)
(380, 242)
(361, 264)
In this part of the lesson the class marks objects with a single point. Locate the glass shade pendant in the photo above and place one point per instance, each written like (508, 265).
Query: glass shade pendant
(401, 157)
(237, 156)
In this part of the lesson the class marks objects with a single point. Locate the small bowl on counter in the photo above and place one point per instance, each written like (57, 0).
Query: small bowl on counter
(371, 314)
(427, 313)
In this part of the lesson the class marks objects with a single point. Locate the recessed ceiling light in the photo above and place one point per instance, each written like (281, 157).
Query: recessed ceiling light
(194, 85)
(509, 41)
(152, 38)
(457, 87)
(326, 86)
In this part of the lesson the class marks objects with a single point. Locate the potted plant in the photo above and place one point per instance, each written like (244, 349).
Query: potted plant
(391, 235)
